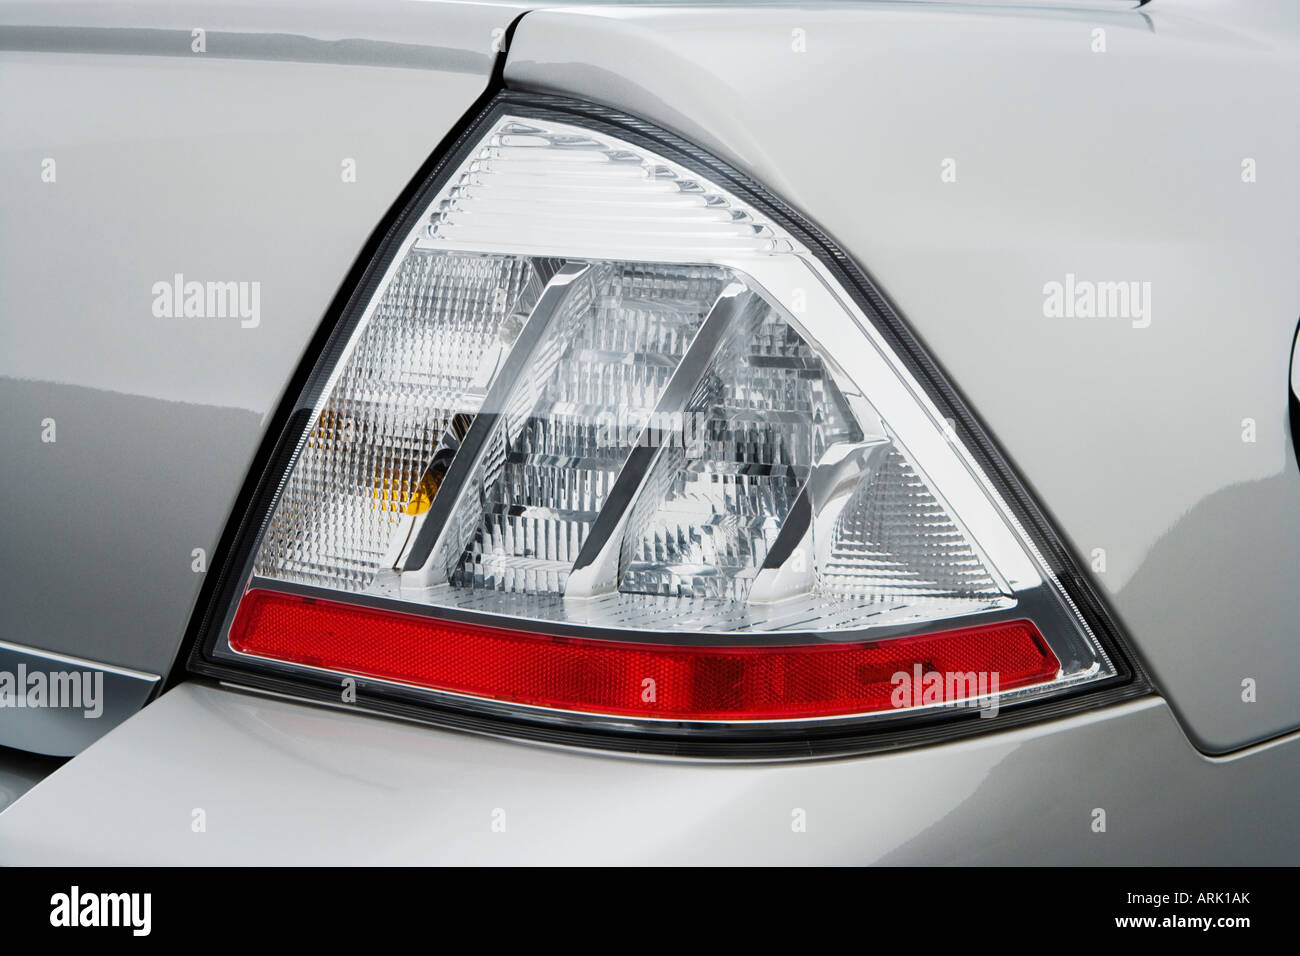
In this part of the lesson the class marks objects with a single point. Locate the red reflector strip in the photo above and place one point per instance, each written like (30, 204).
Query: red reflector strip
(642, 680)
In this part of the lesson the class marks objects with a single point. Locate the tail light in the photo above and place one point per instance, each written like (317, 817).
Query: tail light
(611, 441)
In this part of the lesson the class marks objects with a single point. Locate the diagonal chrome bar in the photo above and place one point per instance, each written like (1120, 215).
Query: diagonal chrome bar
(823, 496)
(455, 486)
(597, 569)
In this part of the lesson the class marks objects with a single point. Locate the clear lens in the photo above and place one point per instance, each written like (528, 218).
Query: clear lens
(765, 413)
(564, 436)
(424, 359)
(596, 390)
(593, 198)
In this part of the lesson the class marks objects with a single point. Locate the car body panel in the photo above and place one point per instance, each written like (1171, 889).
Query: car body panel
(1123, 165)
(92, 698)
(282, 783)
(19, 772)
(1117, 166)
(226, 165)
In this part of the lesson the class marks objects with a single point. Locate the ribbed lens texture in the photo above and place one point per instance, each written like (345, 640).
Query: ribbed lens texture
(427, 354)
(894, 540)
(645, 680)
(570, 427)
(766, 414)
(578, 193)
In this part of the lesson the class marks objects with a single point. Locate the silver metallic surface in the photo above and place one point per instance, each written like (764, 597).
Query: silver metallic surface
(19, 772)
(54, 704)
(283, 783)
(1119, 166)
(224, 166)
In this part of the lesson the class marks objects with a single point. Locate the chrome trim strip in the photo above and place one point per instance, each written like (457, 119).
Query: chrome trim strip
(102, 696)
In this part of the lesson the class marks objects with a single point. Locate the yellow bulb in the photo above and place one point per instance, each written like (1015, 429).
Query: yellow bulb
(422, 500)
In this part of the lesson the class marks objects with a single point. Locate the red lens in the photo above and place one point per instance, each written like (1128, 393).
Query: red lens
(643, 680)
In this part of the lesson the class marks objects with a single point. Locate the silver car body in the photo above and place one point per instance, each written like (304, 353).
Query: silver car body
(1159, 443)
